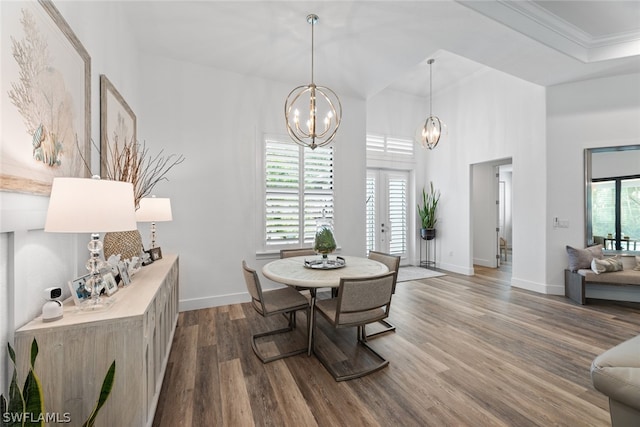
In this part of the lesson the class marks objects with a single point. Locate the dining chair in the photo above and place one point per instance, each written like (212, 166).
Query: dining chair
(393, 264)
(286, 253)
(286, 301)
(360, 301)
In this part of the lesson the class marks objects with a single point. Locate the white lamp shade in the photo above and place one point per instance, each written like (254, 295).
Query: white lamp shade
(89, 205)
(154, 209)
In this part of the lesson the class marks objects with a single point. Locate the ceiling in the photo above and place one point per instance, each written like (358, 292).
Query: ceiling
(362, 47)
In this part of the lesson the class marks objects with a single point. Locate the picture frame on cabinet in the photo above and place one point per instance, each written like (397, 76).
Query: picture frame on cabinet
(109, 282)
(123, 268)
(78, 290)
(155, 253)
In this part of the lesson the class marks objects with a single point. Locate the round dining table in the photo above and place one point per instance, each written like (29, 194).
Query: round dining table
(293, 272)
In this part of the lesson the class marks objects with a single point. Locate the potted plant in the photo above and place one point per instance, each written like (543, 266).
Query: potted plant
(427, 213)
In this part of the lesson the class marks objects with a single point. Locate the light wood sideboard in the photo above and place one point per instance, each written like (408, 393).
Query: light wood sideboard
(76, 351)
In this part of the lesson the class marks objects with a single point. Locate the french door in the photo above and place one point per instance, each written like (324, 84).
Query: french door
(387, 211)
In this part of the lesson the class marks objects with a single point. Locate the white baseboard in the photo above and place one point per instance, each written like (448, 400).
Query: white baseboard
(213, 301)
(540, 288)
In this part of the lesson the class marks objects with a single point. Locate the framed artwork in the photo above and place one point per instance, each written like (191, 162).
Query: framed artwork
(78, 290)
(110, 285)
(45, 98)
(117, 127)
(155, 253)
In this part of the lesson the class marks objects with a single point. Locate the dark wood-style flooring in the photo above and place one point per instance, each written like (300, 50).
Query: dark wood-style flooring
(468, 351)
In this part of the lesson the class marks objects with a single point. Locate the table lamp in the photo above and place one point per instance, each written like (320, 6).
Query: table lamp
(154, 209)
(91, 205)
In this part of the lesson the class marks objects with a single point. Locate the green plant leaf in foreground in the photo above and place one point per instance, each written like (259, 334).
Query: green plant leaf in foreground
(107, 384)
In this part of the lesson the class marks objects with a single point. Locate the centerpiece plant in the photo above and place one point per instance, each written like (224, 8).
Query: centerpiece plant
(427, 212)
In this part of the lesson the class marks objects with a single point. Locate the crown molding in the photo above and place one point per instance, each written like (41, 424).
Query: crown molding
(533, 20)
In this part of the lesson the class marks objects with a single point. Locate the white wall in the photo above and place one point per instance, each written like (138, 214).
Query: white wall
(490, 115)
(216, 119)
(588, 114)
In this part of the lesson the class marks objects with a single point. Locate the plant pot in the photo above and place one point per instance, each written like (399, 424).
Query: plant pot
(428, 233)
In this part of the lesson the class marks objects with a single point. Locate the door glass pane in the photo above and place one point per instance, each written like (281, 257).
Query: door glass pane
(630, 211)
(371, 213)
(397, 195)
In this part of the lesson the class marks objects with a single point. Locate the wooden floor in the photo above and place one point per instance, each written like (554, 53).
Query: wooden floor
(468, 351)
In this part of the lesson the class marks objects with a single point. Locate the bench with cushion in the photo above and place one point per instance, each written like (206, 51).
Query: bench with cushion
(582, 282)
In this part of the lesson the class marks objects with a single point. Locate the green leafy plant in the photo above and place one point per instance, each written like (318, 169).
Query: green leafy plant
(429, 206)
(325, 242)
(105, 390)
(30, 400)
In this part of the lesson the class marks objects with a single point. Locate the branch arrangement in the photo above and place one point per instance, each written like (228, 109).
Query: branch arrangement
(132, 162)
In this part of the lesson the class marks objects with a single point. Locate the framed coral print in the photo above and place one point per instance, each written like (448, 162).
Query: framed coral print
(45, 98)
(117, 128)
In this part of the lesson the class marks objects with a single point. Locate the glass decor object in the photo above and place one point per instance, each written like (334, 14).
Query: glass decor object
(83, 205)
(324, 241)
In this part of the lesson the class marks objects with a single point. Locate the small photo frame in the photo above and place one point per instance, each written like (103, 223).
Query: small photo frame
(109, 282)
(123, 267)
(155, 253)
(78, 291)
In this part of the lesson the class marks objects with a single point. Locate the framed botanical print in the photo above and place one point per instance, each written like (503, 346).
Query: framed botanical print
(117, 128)
(46, 99)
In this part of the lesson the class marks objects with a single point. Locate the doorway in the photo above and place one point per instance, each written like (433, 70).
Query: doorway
(387, 211)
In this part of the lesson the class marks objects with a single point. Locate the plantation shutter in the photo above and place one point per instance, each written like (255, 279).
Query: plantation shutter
(371, 212)
(318, 188)
(397, 195)
(298, 187)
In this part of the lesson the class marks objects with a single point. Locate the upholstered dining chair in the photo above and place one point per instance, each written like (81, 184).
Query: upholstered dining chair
(286, 253)
(360, 301)
(393, 264)
(286, 301)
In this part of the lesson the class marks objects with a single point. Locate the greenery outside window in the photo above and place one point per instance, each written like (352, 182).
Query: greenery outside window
(615, 210)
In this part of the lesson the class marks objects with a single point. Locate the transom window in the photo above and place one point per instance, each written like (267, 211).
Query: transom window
(298, 188)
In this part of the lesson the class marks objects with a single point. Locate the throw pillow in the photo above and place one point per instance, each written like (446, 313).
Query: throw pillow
(581, 258)
(637, 267)
(606, 265)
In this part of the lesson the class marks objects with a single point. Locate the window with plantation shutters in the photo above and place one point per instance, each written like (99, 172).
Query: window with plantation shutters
(298, 188)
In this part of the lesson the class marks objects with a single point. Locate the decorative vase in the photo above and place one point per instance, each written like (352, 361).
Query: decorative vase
(324, 242)
(126, 243)
(428, 233)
